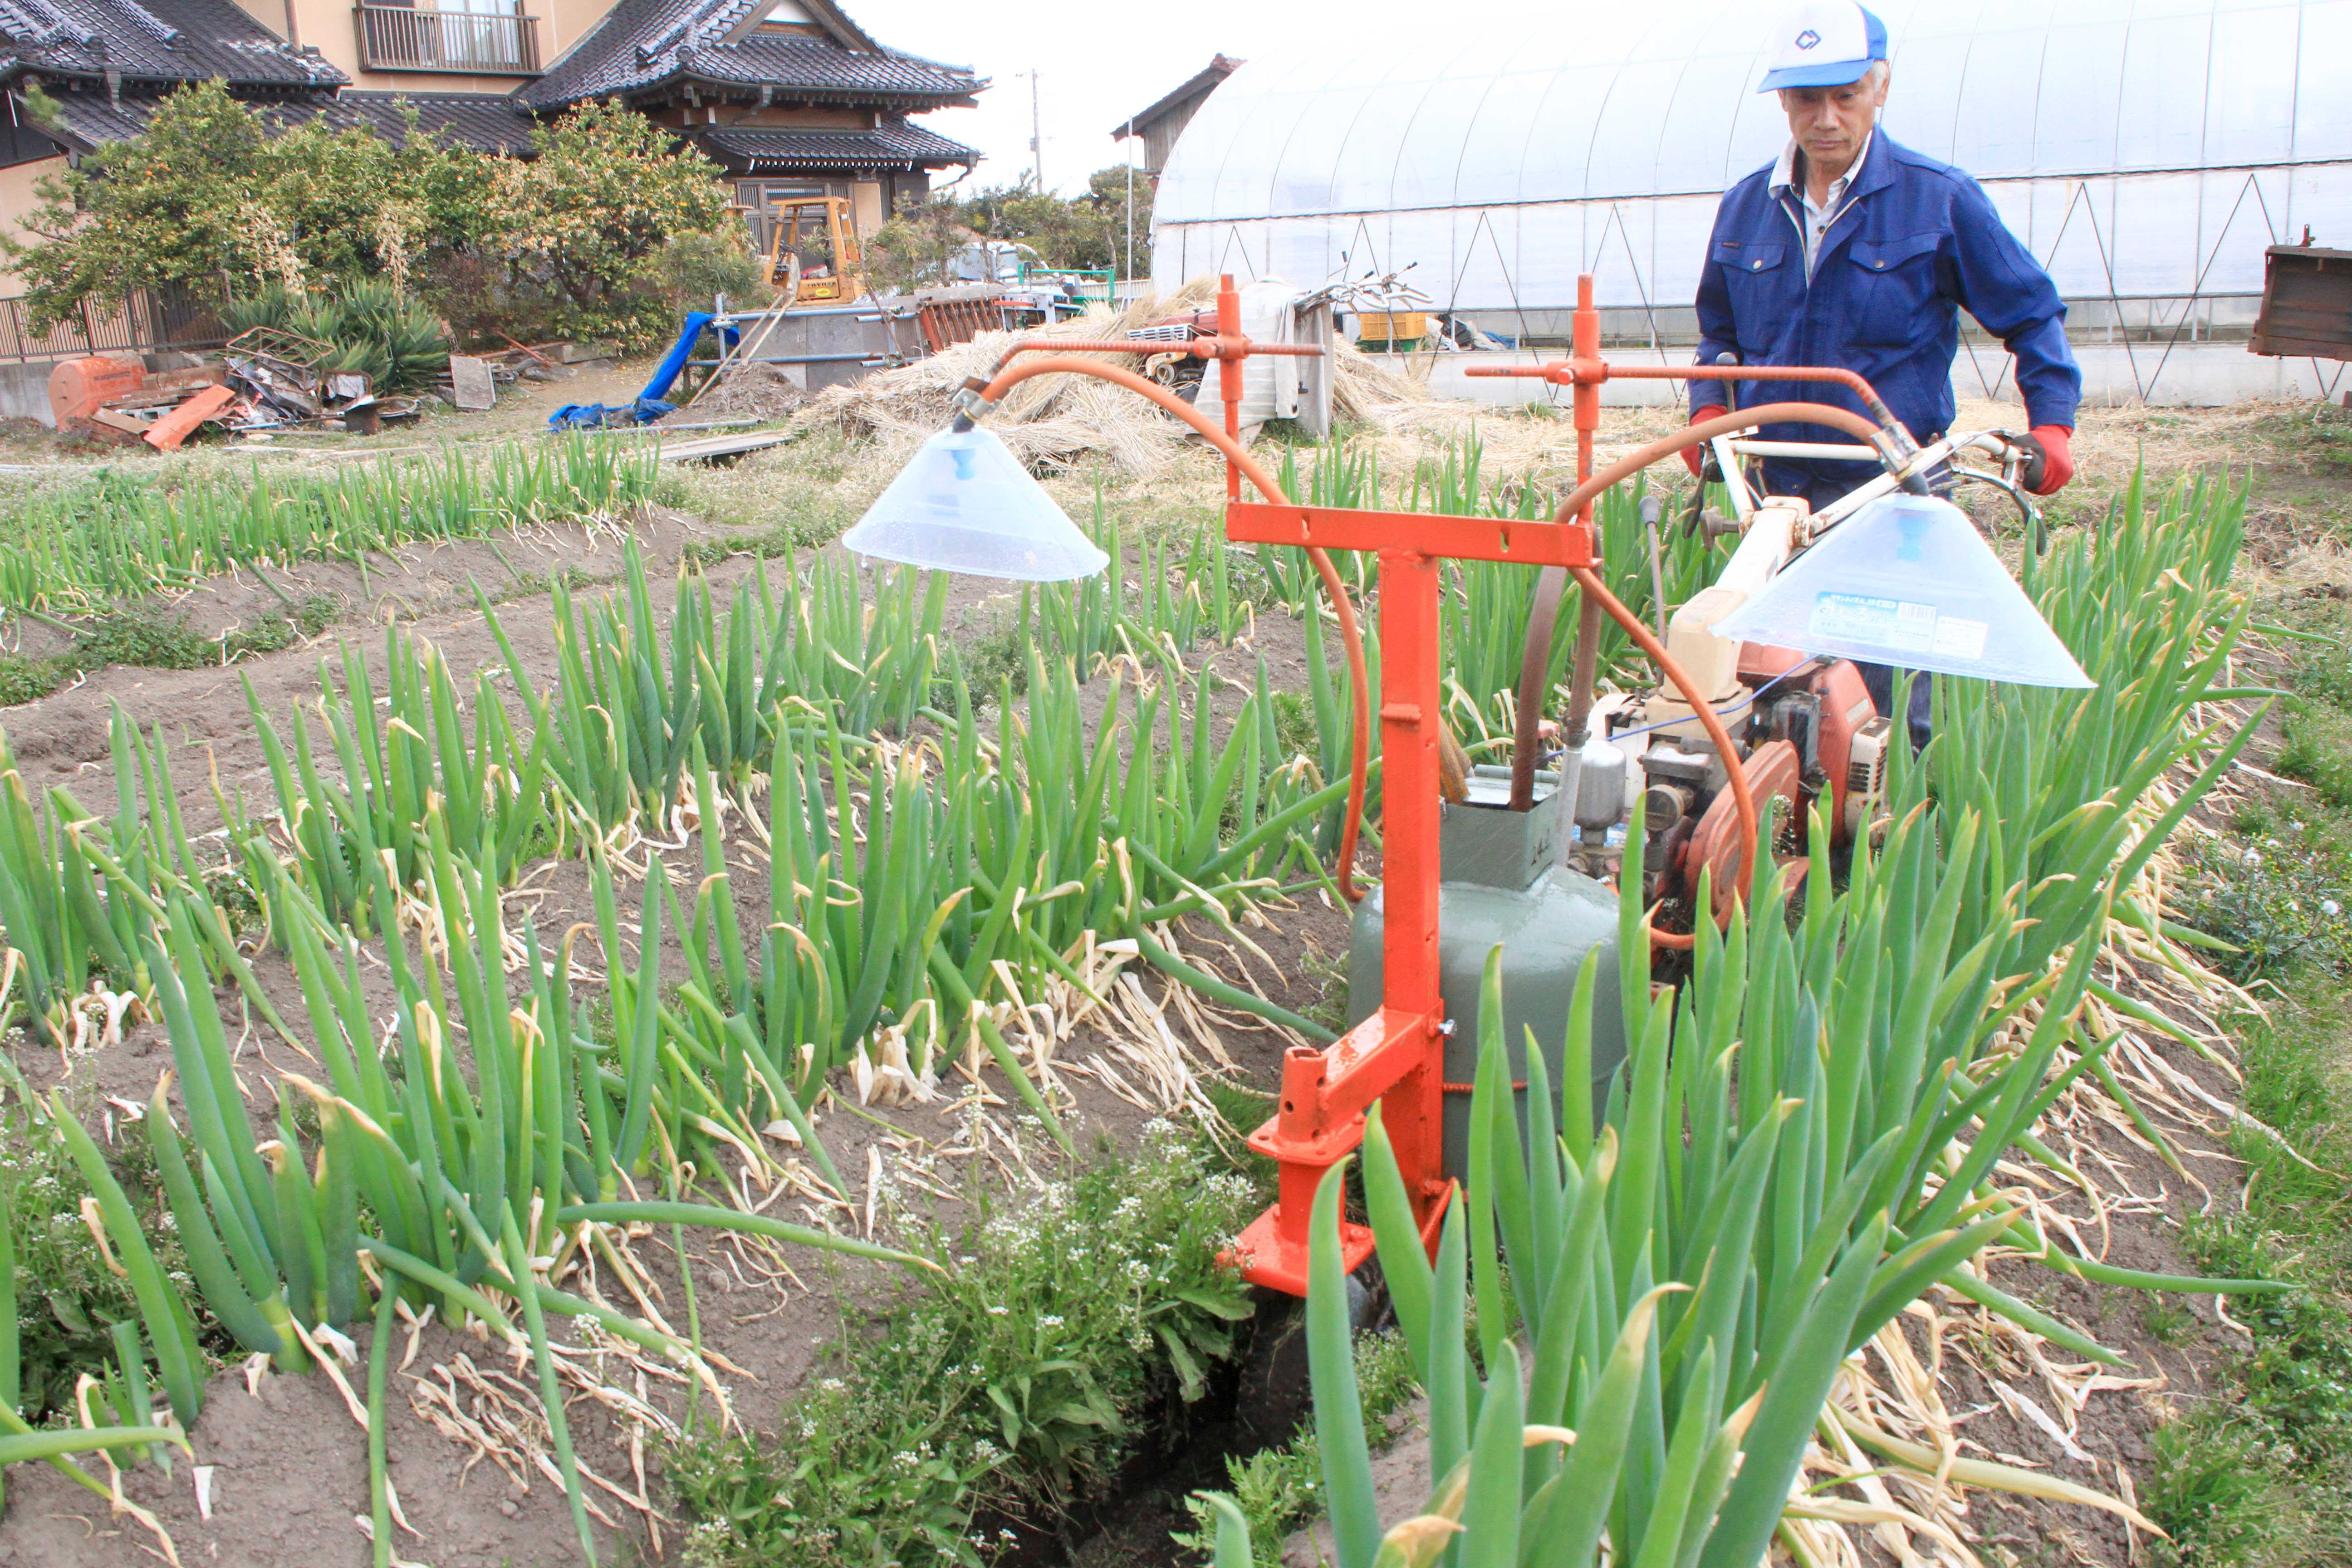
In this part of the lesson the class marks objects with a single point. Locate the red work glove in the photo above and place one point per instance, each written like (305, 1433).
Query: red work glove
(1694, 458)
(2049, 459)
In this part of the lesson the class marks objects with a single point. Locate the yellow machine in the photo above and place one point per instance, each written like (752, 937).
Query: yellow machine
(813, 251)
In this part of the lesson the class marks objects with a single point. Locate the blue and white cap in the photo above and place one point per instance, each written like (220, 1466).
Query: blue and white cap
(1824, 43)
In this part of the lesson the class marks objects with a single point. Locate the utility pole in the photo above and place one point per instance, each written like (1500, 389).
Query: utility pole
(1130, 200)
(1037, 136)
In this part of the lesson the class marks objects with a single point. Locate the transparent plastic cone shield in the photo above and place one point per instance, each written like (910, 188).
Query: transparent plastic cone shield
(965, 504)
(1907, 581)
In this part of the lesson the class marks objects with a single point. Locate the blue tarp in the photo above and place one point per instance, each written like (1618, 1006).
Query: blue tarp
(595, 416)
(651, 403)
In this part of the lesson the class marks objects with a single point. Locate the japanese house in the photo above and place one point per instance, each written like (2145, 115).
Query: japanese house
(791, 98)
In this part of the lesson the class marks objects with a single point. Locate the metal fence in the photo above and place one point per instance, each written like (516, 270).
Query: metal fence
(146, 321)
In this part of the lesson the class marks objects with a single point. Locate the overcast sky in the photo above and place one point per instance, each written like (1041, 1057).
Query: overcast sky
(1096, 63)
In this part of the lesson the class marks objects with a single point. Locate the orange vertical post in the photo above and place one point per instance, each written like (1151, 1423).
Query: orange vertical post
(1411, 710)
(1584, 343)
(1398, 1054)
(1229, 376)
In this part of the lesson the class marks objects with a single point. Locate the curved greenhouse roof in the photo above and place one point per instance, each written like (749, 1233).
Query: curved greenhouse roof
(2148, 151)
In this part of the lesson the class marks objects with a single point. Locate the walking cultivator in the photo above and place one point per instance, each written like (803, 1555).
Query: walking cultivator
(1808, 732)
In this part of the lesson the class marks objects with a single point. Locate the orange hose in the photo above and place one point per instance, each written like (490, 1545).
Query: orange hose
(1350, 636)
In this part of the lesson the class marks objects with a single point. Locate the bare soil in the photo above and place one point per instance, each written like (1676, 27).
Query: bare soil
(287, 1460)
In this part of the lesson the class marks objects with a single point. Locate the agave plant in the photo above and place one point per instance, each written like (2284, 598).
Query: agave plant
(371, 327)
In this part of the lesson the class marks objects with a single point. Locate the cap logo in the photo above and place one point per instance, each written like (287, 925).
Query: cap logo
(1808, 38)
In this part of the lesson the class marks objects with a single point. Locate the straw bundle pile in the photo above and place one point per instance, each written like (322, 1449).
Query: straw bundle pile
(1061, 421)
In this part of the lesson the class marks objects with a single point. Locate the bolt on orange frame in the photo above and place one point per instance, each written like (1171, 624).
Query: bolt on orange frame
(1397, 1056)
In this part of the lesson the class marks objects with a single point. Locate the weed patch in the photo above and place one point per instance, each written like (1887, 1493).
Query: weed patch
(991, 1403)
(313, 615)
(2257, 1474)
(67, 1298)
(26, 679)
(150, 641)
(2278, 900)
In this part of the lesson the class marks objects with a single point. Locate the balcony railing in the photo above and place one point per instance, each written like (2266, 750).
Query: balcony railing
(401, 39)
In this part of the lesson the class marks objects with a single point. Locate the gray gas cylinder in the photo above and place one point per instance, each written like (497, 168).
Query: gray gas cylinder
(1504, 884)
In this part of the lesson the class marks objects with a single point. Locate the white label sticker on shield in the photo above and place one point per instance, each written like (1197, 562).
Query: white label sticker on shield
(1958, 639)
(1894, 626)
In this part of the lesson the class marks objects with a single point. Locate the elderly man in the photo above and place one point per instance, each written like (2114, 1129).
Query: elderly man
(1849, 250)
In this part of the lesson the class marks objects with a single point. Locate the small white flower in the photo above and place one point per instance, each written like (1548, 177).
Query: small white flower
(2330, 908)
(1050, 1321)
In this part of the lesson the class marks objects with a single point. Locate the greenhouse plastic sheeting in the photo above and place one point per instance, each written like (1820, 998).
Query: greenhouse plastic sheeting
(2140, 149)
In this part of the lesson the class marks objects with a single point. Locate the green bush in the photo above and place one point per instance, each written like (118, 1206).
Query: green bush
(211, 188)
(588, 218)
(67, 1297)
(696, 268)
(573, 239)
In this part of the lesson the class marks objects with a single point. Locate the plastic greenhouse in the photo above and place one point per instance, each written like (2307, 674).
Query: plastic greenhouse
(2148, 153)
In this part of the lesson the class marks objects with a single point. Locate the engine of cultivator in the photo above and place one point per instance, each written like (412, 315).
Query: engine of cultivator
(1522, 858)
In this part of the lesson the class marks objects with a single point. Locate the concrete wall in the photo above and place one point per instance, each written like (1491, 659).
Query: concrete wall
(25, 391)
(24, 387)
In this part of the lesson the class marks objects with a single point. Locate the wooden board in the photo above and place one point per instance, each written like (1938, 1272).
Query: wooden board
(470, 380)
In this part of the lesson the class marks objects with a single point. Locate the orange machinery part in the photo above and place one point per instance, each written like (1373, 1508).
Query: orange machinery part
(166, 434)
(78, 387)
(1395, 1057)
(1845, 709)
(1720, 843)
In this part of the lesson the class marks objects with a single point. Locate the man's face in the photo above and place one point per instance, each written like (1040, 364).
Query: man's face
(1831, 123)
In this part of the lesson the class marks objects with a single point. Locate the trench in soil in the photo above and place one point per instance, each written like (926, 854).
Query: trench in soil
(1253, 1403)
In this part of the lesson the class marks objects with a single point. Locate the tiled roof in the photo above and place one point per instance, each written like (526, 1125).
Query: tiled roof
(84, 120)
(153, 41)
(485, 119)
(1207, 77)
(643, 44)
(891, 145)
(489, 121)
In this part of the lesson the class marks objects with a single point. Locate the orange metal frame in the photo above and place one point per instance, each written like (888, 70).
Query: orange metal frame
(1397, 1056)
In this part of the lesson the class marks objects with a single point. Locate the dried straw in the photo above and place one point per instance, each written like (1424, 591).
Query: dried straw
(1062, 421)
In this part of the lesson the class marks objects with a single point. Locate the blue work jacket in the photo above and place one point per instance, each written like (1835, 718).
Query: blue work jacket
(1914, 242)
